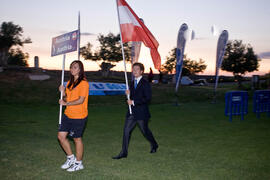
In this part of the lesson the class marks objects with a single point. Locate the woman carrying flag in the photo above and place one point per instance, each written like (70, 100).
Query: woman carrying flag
(75, 115)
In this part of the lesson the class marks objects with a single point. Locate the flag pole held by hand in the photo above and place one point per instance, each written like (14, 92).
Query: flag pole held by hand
(123, 54)
(62, 83)
(133, 29)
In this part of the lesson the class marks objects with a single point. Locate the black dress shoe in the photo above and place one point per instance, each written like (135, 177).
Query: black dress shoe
(120, 156)
(154, 149)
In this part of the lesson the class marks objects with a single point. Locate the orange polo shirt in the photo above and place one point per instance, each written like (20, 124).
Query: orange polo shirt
(79, 111)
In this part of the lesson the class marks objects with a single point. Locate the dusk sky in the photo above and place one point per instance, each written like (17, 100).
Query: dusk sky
(246, 20)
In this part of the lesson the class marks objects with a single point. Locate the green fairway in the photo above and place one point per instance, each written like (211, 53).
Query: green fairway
(196, 140)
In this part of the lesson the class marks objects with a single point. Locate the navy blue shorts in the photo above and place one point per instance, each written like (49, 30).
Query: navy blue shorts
(74, 127)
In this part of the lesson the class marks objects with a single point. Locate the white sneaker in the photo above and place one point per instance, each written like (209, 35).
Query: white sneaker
(75, 167)
(69, 162)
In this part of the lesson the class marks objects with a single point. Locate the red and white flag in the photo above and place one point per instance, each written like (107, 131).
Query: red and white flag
(133, 29)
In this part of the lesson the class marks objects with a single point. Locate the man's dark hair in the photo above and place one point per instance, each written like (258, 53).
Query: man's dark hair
(141, 66)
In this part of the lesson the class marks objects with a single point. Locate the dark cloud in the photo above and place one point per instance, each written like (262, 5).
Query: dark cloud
(265, 55)
(82, 33)
(87, 34)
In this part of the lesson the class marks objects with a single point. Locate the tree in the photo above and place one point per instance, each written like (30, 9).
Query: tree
(10, 35)
(169, 65)
(193, 66)
(239, 59)
(17, 57)
(109, 52)
(190, 67)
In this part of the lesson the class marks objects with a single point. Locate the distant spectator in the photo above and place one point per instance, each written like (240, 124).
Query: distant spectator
(160, 77)
(150, 76)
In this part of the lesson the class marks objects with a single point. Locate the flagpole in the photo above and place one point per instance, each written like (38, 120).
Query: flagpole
(215, 88)
(123, 54)
(62, 83)
(178, 83)
(132, 58)
(216, 79)
(178, 79)
(79, 33)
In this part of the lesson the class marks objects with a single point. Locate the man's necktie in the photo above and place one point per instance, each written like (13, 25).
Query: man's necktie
(135, 83)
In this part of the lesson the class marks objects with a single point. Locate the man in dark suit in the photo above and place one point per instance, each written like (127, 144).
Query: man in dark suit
(140, 95)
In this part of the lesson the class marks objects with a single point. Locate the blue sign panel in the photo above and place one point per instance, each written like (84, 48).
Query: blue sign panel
(103, 89)
(236, 103)
(180, 48)
(96, 88)
(261, 102)
(65, 43)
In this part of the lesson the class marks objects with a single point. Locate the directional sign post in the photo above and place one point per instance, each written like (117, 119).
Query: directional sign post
(65, 43)
(61, 45)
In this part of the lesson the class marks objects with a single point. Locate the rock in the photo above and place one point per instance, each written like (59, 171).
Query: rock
(39, 77)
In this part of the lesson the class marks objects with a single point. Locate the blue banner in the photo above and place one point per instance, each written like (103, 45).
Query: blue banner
(103, 89)
(221, 47)
(181, 43)
(65, 43)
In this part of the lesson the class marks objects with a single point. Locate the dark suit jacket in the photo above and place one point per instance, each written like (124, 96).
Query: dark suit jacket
(141, 96)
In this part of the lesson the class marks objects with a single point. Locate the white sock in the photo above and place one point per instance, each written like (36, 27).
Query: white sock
(71, 156)
(78, 162)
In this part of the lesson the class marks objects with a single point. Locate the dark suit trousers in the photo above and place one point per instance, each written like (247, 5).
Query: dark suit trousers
(130, 124)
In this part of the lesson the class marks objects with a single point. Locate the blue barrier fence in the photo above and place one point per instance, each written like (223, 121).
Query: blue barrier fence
(103, 89)
(236, 103)
(261, 102)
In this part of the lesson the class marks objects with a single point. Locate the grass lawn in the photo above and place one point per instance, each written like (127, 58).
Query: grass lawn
(196, 140)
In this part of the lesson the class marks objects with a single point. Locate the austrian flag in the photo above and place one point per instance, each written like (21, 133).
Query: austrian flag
(133, 29)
